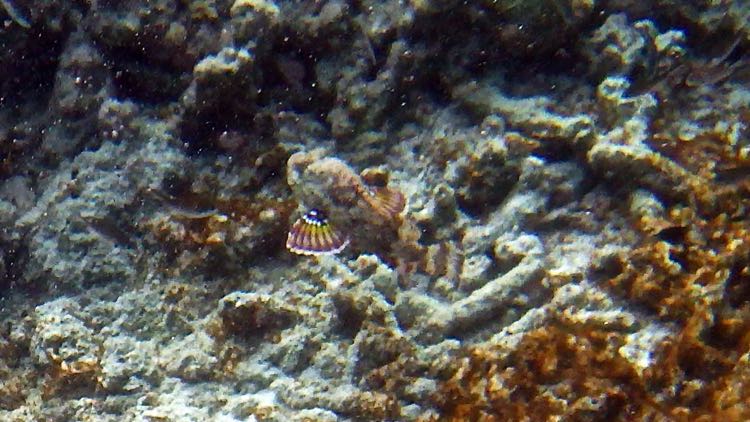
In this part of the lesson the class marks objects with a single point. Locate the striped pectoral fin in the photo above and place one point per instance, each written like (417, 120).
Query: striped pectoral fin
(312, 234)
(387, 202)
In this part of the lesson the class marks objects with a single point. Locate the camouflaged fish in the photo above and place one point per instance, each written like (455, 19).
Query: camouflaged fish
(343, 208)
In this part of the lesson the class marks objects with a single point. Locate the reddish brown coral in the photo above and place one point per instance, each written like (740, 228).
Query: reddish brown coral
(563, 371)
(81, 378)
(691, 270)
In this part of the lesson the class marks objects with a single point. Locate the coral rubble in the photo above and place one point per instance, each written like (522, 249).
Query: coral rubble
(542, 207)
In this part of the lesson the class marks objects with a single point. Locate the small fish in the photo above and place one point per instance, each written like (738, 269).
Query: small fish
(312, 235)
(337, 199)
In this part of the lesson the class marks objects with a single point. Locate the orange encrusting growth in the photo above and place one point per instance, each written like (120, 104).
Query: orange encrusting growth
(690, 271)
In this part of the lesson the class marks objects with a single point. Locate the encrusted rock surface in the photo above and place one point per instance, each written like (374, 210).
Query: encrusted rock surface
(575, 243)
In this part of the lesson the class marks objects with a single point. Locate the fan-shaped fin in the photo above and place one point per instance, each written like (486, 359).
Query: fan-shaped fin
(387, 202)
(312, 234)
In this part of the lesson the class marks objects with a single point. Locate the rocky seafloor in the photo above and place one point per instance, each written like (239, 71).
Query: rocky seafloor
(575, 244)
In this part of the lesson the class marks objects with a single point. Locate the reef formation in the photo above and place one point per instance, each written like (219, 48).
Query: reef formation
(541, 210)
